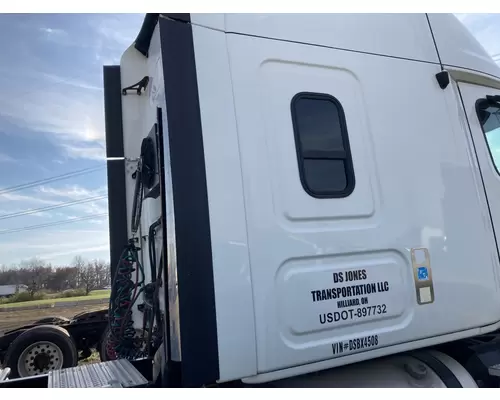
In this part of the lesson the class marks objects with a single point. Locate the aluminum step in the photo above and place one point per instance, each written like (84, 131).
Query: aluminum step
(116, 373)
(494, 370)
(4, 374)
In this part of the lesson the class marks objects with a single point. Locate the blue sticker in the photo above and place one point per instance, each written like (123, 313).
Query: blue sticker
(422, 273)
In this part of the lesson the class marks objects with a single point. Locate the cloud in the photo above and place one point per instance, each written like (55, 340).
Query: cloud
(4, 158)
(56, 244)
(16, 197)
(75, 115)
(95, 207)
(77, 192)
(18, 210)
(51, 96)
(76, 250)
(46, 196)
(39, 79)
(115, 34)
(486, 29)
(95, 152)
(68, 81)
(97, 221)
(73, 192)
(53, 32)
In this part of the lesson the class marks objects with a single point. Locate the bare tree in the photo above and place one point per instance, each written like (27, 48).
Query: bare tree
(107, 274)
(79, 263)
(87, 277)
(102, 273)
(38, 275)
(63, 278)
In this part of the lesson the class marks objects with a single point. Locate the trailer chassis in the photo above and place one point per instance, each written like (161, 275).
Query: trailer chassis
(84, 332)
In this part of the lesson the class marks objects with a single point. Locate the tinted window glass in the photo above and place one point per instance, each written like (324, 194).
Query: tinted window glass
(323, 152)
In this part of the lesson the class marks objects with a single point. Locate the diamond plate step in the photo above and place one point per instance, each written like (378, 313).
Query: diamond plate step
(116, 373)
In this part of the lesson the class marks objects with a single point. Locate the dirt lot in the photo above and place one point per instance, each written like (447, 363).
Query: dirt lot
(13, 319)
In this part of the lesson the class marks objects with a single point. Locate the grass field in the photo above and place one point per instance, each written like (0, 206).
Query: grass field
(96, 294)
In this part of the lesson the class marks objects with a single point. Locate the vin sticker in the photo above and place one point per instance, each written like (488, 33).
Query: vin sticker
(347, 346)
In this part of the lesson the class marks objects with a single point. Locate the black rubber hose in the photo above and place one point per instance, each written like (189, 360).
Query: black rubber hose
(152, 248)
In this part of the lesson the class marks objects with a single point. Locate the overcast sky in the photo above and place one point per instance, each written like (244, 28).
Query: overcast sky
(52, 123)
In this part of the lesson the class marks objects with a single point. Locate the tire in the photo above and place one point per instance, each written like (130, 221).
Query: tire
(104, 353)
(48, 347)
(52, 320)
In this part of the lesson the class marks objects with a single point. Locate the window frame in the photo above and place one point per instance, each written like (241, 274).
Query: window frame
(478, 104)
(344, 155)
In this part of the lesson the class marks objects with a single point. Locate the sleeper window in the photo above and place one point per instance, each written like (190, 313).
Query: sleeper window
(323, 153)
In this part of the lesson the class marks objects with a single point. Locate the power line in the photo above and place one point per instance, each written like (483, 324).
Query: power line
(70, 221)
(54, 207)
(49, 180)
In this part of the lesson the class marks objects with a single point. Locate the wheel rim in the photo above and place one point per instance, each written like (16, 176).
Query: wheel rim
(39, 358)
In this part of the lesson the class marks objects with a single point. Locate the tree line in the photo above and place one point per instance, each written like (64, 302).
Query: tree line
(39, 276)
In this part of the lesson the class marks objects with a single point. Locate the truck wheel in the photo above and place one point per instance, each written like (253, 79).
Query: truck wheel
(39, 350)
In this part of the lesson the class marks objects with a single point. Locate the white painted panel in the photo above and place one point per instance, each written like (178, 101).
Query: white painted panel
(414, 179)
(233, 283)
(397, 35)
